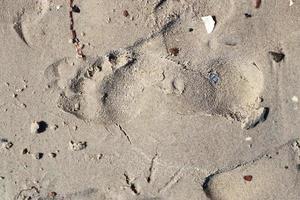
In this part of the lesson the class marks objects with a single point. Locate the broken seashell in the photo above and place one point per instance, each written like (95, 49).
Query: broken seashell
(209, 23)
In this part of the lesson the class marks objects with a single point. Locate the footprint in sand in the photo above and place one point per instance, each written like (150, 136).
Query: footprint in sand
(110, 89)
(272, 176)
(104, 89)
(23, 16)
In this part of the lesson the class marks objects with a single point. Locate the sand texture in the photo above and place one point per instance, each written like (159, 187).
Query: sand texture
(150, 100)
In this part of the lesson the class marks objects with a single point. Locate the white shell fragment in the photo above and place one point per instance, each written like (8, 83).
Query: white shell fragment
(209, 23)
(34, 127)
(291, 2)
(295, 99)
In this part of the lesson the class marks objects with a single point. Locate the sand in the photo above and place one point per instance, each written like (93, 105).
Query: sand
(145, 100)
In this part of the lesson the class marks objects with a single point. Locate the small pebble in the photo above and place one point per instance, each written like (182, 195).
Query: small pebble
(58, 7)
(76, 9)
(77, 146)
(247, 15)
(25, 151)
(38, 155)
(76, 107)
(23, 105)
(248, 178)
(248, 138)
(2, 177)
(34, 127)
(174, 51)
(52, 155)
(20, 90)
(125, 13)
(99, 156)
(256, 3)
(82, 34)
(54, 127)
(52, 195)
(214, 78)
(295, 99)
(277, 56)
(38, 127)
(6, 144)
(75, 128)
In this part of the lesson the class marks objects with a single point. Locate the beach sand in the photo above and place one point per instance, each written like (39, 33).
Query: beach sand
(141, 99)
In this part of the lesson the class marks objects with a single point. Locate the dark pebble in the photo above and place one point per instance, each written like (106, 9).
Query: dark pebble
(277, 56)
(248, 178)
(174, 51)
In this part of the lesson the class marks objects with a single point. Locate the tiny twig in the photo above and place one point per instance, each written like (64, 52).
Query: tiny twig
(75, 40)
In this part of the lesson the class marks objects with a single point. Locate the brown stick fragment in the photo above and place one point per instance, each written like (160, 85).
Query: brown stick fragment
(256, 3)
(75, 40)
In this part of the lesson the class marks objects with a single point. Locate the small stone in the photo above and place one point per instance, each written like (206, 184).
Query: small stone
(58, 7)
(20, 90)
(52, 155)
(77, 146)
(75, 128)
(54, 127)
(99, 156)
(6, 144)
(247, 15)
(248, 138)
(25, 151)
(108, 20)
(34, 127)
(209, 22)
(15, 95)
(295, 99)
(76, 9)
(174, 51)
(125, 13)
(214, 78)
(2, 177)
(38, 155)
(248, 178)
(23, 105)
(277, 56)
(76, 106)
(52, 195)
(38, 127)
(256, 3)
(82, 34)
